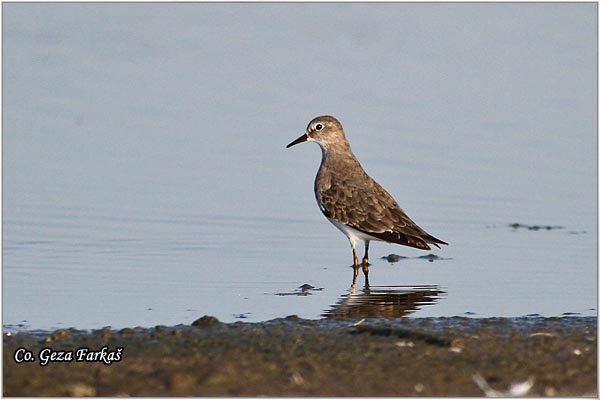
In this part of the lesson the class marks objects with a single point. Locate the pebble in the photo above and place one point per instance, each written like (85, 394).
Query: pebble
(205, 321)
(81, 390)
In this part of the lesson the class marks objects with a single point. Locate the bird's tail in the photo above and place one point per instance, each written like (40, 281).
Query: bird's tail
(434, 241)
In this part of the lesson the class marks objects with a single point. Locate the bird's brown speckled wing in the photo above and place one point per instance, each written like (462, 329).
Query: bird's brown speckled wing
(373, 211)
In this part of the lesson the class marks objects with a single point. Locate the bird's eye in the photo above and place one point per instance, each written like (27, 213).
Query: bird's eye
(318, 127)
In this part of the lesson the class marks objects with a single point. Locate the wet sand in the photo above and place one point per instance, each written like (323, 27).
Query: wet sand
(295, 357)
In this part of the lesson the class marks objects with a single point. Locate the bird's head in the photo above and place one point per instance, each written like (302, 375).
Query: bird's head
(325, 131)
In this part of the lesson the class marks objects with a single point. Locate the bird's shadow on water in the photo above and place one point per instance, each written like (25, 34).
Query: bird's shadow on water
(383, 301)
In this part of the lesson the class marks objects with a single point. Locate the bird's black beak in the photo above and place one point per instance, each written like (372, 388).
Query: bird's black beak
(301, 139)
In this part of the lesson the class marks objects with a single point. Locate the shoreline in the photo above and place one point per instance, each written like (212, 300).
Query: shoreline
(455, 356)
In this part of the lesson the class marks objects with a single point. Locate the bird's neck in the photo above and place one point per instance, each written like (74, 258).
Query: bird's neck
(339, 155)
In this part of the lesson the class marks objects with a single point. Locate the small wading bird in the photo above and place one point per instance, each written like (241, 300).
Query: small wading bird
(352, 201)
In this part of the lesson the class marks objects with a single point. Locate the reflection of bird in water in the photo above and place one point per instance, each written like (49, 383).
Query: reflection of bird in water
(383, 301)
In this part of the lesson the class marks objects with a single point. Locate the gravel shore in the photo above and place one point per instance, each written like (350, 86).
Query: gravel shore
(294, 357)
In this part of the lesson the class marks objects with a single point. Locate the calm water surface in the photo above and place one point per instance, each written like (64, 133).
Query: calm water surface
(146, 180)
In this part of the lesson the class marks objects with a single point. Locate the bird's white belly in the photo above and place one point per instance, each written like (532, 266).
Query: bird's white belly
(352, 234)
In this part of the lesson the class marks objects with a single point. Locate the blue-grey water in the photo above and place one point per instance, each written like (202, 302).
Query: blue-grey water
(146, 180)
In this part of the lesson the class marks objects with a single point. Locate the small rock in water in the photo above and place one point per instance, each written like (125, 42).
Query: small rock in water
(430, 257)
(517, 225)
(392, 258)
(304, 290)
(306, 286)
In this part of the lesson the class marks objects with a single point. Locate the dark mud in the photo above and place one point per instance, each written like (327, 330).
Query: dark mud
(295, 357)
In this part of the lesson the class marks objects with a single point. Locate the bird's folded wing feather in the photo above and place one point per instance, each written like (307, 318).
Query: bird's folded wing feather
(371, 210)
